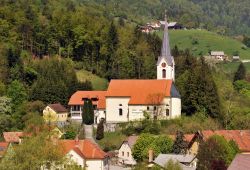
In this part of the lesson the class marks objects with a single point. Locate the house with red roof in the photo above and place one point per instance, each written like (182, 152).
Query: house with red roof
(13, 137)
(98, 99)
(85, 154)
(128, 99)
(241, 138)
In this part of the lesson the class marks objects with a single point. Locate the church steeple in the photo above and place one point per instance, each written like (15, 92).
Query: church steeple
(165, 63)
(165, 49)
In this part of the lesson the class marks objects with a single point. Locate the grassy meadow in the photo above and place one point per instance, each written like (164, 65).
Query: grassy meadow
(98, 83)
(200, 42)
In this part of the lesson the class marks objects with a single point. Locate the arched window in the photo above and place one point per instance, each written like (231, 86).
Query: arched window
(120, 111)
(163, 73)
(167, 112)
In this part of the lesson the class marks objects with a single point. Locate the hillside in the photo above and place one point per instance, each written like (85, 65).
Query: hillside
(200, 42)
(221, 16)
(98, 83)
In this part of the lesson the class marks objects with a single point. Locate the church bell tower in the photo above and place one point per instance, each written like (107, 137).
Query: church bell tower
(165, 63)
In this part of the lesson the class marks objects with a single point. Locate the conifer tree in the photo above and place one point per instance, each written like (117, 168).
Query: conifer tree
(100, 130)
(88, 112)
(180, 145)
(240, 73)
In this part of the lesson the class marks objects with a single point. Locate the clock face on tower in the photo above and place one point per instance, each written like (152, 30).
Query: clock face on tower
(163, 64)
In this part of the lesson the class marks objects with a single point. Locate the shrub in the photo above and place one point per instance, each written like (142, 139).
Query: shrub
(88, 112)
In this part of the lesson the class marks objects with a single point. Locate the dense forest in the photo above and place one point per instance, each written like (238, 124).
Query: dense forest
(43, 43)
(223, 16)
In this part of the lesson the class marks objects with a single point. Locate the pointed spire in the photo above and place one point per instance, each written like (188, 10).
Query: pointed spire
(165, 49)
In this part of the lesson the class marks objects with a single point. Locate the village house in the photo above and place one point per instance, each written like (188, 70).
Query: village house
(128, 99)
(56, 113)
(186, 162)
(241, 138)
(85, 154)
(172, 25)
(236, 58)
(13, 137)
(76, 103)
(218, 55)
(125, 151)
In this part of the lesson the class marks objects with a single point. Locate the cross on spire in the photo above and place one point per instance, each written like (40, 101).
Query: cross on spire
(165, 49)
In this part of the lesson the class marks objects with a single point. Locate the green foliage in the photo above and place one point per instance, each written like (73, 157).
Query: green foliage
(88, 112)
(159, 144)
(144, 126)
(100, 130)
(246, 41)
(69, 135)
(215, 149)
(32, 154)
(56, 81)
(180, 145)
(201, 93)
(172, 165)
(240, 73)
(107, 144)
(5, 105)
(17, 93)
(2, 89)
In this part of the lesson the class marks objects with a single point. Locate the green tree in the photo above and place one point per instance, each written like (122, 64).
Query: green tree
(35, 152)
(215, 151)
(172, 165)
(240, 73)
(17, 93)
(180, 145)
(88, 112)
(100, 130)
(160, 144)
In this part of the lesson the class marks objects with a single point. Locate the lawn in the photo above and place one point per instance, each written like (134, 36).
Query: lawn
(231, 67)
(200, 42)
(112, 140)
(98, 83)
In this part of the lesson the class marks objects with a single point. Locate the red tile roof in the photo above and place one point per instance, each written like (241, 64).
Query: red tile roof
(57, 107)
(76, 98)
(241, 137)
(140, 91)
(3, 148)
(240, 162)
(12, 136)
(84, 148)
(132, 140)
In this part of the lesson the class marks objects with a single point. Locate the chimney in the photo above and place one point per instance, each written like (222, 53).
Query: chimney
(150, 155)
(77, 141)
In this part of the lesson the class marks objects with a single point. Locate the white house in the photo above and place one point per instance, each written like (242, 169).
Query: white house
(218, 55)
(85, 154)
(76, 103)
(127, 100)
(57, 112)
(125, 151)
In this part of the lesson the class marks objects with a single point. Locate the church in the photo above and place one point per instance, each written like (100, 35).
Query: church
(129, 99)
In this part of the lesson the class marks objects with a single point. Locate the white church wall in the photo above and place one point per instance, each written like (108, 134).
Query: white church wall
(73, 156)
(99, 115)
(112, 109)
(176, 107)
(136, 112)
